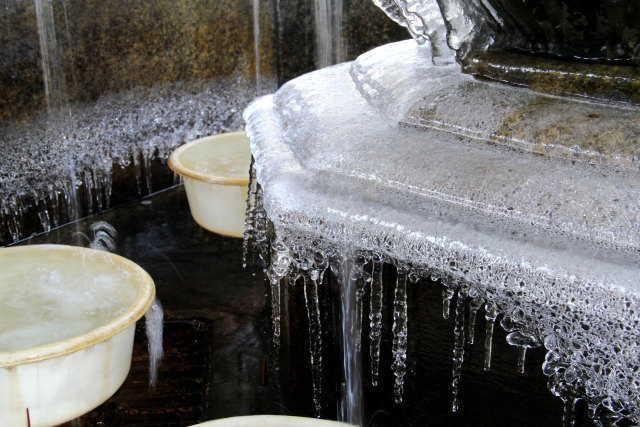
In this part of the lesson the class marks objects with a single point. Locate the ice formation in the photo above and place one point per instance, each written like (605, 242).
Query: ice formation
(116, 131)
(521, 203)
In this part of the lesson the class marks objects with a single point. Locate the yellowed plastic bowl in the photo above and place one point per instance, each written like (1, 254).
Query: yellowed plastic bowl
(271, 421)
(47, 294)
(215, 171)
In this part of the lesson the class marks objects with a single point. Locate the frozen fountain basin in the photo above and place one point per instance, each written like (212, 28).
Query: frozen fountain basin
(525, 200)
(68, 319)
(215, 171)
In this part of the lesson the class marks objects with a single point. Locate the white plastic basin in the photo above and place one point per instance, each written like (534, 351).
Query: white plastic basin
(215, 171)
(271, 421)
(67, 320)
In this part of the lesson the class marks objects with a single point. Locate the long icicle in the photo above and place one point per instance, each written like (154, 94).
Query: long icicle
(315, 340)
(400, 333)
(491, 312)
(458, 346)
(375, 317)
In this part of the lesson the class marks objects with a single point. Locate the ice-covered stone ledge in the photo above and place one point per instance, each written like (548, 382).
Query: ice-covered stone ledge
(528, 201)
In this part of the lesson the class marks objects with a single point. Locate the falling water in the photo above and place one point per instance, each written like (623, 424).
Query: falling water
(256, 42)
(315, 338)
(352, 400)
(55, 88)
(55, 85)
(153, 326)
(328, 29)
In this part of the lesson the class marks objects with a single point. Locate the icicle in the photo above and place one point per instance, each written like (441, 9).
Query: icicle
(261, 238)
(96, 180)
(521, 339)
(55, 205)
(137, 170)
(153, 326)
(447, 295)
(43, 213)
(315, 340)
(400, 333)
(569, 411)
(458, 346)
(108, 183)
(146, 160)
(361, 289)
(279, 268)
(275, 312)
(491, 312)
(88, 186)
(474, 305)
(250, 221)
(375, 317)
(522, 355)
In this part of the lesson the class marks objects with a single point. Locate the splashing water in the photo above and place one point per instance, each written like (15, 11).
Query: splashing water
(153, 327)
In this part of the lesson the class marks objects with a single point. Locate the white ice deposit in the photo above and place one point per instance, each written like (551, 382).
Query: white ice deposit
(400, 159)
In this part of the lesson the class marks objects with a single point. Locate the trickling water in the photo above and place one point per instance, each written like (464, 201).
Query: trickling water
(153, 326)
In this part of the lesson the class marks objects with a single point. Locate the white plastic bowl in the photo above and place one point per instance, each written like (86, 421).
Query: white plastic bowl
(271, 421)
(78, 307)
(215, 171)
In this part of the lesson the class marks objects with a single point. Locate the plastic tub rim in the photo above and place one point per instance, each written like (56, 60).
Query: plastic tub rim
(134, 312)
(181, 169)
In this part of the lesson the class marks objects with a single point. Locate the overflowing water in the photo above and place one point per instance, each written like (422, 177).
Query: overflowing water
(516, 200)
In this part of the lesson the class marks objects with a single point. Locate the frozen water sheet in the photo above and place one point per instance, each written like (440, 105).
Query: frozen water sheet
(475, 182)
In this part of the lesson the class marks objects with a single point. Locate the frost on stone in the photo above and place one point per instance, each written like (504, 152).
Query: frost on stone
(530, 202)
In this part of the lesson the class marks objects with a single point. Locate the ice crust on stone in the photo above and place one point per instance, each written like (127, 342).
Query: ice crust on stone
(547, 235)
(117, 130)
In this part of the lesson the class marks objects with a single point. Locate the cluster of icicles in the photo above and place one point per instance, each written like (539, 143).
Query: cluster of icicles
(575, 364)
(49, 162)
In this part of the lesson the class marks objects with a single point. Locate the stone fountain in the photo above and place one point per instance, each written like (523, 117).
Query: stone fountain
(499, 156)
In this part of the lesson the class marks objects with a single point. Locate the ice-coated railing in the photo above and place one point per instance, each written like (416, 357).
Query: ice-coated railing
(527, 202)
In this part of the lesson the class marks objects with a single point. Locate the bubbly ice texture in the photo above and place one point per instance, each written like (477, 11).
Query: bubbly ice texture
(117, 130)
(411, 165)
(58, 295)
